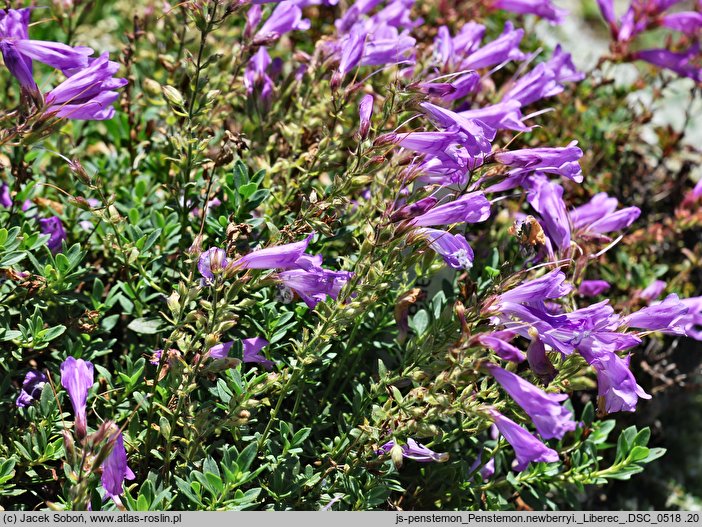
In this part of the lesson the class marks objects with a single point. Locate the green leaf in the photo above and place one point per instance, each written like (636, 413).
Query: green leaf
(145, 326)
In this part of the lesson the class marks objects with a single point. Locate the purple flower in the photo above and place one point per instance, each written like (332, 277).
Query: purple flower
(547, 199)
(5, 196)
(115, 469)
(315, 285)
(415, 451)
(616, 387)
(506, 115)
(502, 49)
(469, 208)
(365, 112)
(352, 50)
(278, 257)
(539, 362)
(498, 341)
(414, 209)
(32, 386)
(252, 351)
(453, 248)
(87, 95)
(475, 137)
(593, 287)
(210, 262)
(287, 16)
(692, 321)
(18, 51)
(607, 10)
(688, 22)
(545, 410)
(253, 18)
(681, 63)
(550, 285)
(256, 76)
(54, 228)
(562, 160)
(391, 48)
(527, 448)
(77, 378)
(487, 470)
(598, 207)
(543, 8)
(652, 291)
(659, 316)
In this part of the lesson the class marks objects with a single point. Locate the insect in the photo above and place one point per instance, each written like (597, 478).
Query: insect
(528, 232)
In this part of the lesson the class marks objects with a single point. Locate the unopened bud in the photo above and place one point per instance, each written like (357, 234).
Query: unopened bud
(396, 455)
(172, 95)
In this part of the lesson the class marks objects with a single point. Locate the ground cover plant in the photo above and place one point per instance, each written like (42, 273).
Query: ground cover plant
(317, 254)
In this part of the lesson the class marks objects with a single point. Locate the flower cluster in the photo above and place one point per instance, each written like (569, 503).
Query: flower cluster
(682, 56)
(89, 89)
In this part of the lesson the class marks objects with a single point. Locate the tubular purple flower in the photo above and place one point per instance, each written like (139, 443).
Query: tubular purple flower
(539, 362)
(616, 387)
(115, 469)
(560, 160)
(502, 49)
(550, 285)
(77, 378)
(652, 291)
(607, 10)
(592, 288)
(487, 471)
(479, 132)
(453, 248)
(210, 262)
(252, 351)
(18, 50)
(598, 207)
(543, 8)
(663, 315)
(688, 22)
(415, 451)
(561, 63)
(256, 76)
(469, 208)
(692, 321)
(278, 257)
(32, 386)
(527, 448)
(87, 95)
(5, 196)
(54, 228)
(315, 285)
(537, 84)
(392, 49)
(615, 221)
(397, 14)
(55, 54)
(680, 63)
(352, 50)
(414, 209)
(549, 416)
(547, 199)
(365, 112)
(506, 115)
(253, 18)
(498, 341)
(14, 26)
(287, 16)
